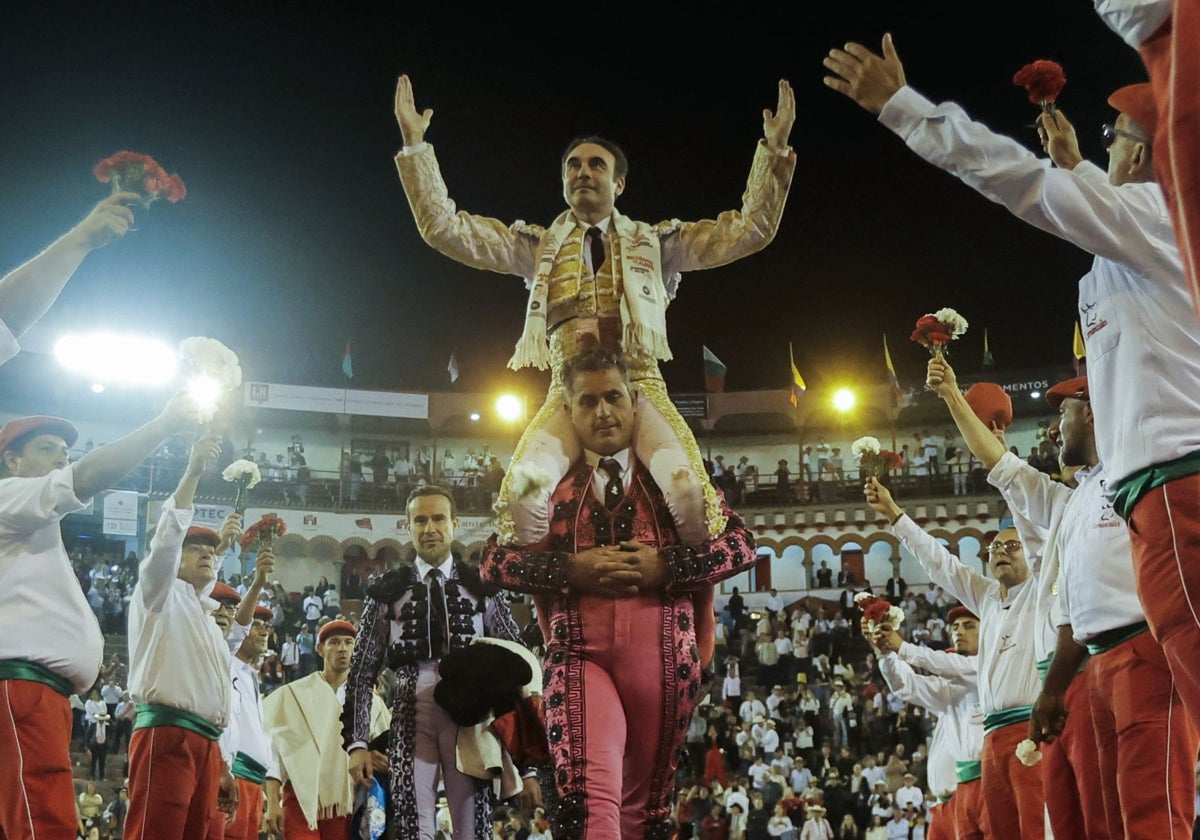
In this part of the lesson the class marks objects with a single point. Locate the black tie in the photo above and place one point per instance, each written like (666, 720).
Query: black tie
(438, 627)
(596, 245)
(614, 489)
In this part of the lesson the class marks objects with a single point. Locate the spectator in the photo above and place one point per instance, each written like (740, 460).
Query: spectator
(783, 483)
(333, 602)
(816, 827)
(780, 825)
(313, 606)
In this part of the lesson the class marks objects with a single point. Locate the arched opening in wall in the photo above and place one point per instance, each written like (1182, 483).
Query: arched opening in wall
(358, 570)
(854, 565)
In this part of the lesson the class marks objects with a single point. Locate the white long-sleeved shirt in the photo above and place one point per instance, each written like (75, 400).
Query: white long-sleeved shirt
(44, 616)
(1008, 674)
(1141, 337)
(1088, 554)
(958, 734)
(8, 343)
(1134, 20)
(247, 713)
(177, 655)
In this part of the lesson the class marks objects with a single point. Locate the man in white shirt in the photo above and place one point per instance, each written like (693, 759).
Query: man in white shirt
(1008, 681)
(1132, 736)
(909, 798)
(39, 671)
(1133, 306)
(27, 292)
(251, 748)
(179, 674)
(752, 709)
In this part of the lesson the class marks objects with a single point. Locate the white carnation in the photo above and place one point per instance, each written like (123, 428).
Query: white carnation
(210, 357)
(866, 444)
(240, 469)
(1028, 753)
(951, 318)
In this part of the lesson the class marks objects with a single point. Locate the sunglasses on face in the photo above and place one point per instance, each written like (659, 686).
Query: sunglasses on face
(1109, 134)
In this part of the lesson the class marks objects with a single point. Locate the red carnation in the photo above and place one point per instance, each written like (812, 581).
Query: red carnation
(876, 610)
(1043, 80)
(263, 532)
(136, 172)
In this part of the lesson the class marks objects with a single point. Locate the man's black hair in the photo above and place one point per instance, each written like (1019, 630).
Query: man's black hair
(621, 163)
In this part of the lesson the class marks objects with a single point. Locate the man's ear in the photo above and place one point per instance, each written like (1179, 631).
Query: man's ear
(618, 186)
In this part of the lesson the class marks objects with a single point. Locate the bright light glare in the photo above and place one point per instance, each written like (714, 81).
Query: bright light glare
(113, 358)
(509, 408)
(97, 388)
(843, 399)
(204, 391)
(474, 416)
(1035, 395)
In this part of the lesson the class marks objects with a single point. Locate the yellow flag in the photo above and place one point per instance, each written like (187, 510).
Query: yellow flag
(1077, 345)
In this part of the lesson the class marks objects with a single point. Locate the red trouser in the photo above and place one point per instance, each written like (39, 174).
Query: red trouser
(174, 775)
(940, 822)
(618, 724)
(295, 825)
(1173, 62)
(968, 811)
(1071, 772)
(1147, 743)
(1013, 792)
(37, 795)
(246, 821)
(1164, 533)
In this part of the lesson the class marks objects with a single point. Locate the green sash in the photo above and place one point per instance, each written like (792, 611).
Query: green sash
(245, 767)
(1129, 491)
(1005, 717)
(22, 669)
(1043, 667)
(150, 715)
(1109, 639)
(968, 771)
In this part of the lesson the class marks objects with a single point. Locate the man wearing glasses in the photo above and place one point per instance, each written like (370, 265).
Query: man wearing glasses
(1120, 753)
(1008, 679)
(1140, 333)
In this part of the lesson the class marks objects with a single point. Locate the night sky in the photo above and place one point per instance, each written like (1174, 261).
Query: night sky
(296, 235)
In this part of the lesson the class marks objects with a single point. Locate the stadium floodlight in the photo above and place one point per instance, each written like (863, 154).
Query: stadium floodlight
(509, 408)
(116, 358)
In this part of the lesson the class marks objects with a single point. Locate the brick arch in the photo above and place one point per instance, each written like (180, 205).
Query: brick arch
(291, 545)
(358, 541)
(385, 543)
(323, 547)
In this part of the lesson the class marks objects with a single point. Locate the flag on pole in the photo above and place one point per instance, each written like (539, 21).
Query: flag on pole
(798, 386)
(347, 364)
(714, 372)
(897, 392)
(1079, 351)
(988, 361)
(452, 368)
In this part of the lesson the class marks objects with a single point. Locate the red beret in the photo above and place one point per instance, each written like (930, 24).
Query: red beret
(955, 613)
(991, 404)
(1137, 103)
(1076, 388)
(336, 627)
(263, 612)
(37, 424)
(200, 534)
(225, 593)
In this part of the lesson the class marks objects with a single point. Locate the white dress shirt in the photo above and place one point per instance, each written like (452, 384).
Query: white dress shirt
(8, 343)
(44, 616)
(177, 655)
(1008, 674)
(1134, 20)
(1135, 308)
